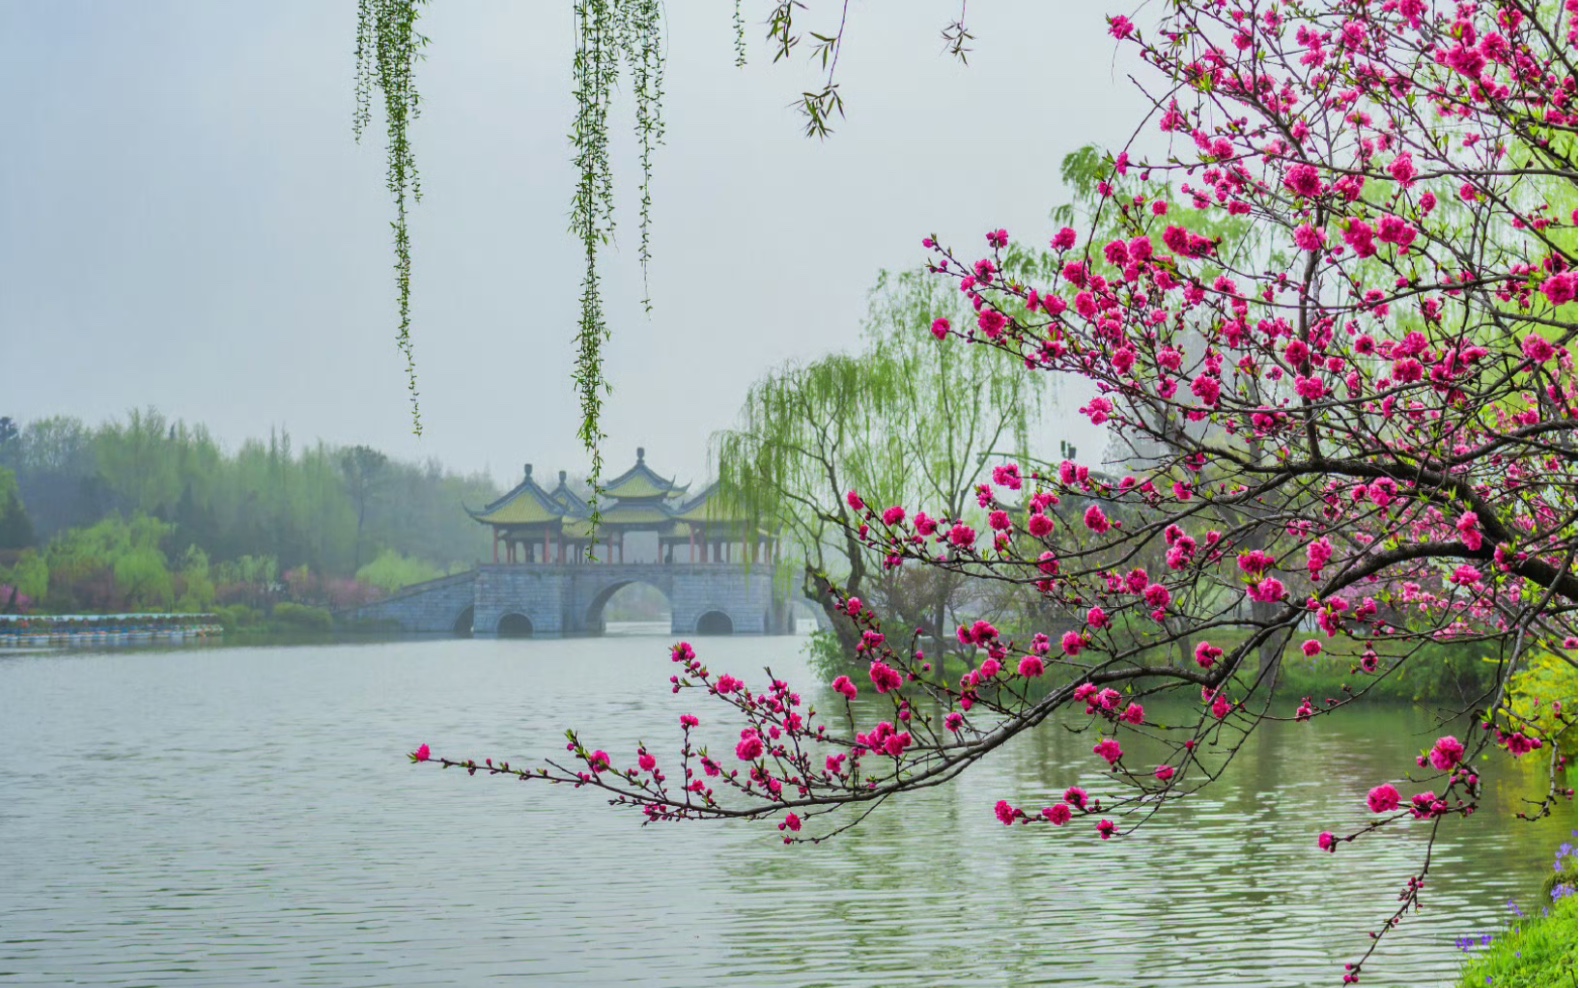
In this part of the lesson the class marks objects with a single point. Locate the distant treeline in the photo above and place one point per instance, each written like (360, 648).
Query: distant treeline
(146, 513)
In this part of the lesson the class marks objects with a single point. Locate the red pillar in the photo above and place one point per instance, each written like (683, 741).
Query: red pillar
(496, 547)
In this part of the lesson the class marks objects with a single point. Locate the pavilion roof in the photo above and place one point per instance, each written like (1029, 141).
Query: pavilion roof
(704, 507)
(641, 482)
(524, 504)
(569, 500)
(638, 498)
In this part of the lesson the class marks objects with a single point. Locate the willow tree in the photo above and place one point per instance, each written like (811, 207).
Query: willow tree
(904, 420)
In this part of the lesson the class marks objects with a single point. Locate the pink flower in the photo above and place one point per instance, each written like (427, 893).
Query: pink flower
(1039, 525)
(1310, 648)
(1164, 773)
(1560, 288)
(954, 721)
(1105, 829)
(1207, 389)
(1304, 181)
(646, 762)
(750, 747)
(1006, 813)
(1072, 643)
(792, 822)
(1310, 388)
(1537, 349)
(1135, 713)
(1095, 519)
(1383, 799)
(1221, 707)
(1327, 841)
(598, 761)
(1469, 528)
(844, 687)
(854, 500)
(1358, 234)
(1108, 750)
(1465, 576)
(992, 322)
(1310, 238)
(688, 720)
(1402, 169)
(998, 520)
(1267, 591)
(894, 516)
(1063, 240)
(1097, 617)
(1031, 667)
(422, 753)
(940, 328)
(1156, 595)
(1058, 814)
(1447, 753)
(885, 677)
(1120, 27)
(1076, 797)
(1393, 230)
(1207, 654)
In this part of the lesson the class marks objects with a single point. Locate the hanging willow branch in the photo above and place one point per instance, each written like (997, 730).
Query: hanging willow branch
(606, 31)
(388, 47)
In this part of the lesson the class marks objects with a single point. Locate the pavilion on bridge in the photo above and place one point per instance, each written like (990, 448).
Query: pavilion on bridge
(554, 527)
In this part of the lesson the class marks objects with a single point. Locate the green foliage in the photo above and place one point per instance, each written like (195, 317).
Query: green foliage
(392, 571)
(143, 580)
(301, 617)
(827, 657)
(16, 529)
(113, 565)
(239, 617)
(1440, 672)
(1536, 952)
(388, 47)
(908, 421)
(325, 507)
(30, 575)
(1541, 695)
(197, 588)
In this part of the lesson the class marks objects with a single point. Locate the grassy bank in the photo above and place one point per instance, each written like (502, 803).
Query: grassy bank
(1538, 948)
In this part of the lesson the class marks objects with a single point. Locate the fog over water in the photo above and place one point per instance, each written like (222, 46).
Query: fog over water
(186, 222)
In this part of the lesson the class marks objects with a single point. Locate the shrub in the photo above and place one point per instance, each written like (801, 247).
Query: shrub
(302, 617)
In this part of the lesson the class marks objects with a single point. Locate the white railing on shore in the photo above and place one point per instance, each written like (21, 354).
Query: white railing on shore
(91, 630)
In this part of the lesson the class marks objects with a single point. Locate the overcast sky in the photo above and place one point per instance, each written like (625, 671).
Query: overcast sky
(185, 221)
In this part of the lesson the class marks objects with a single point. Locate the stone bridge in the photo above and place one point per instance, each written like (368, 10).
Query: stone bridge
(553, 600)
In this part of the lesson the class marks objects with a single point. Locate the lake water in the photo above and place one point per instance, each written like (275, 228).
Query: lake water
(246, 816)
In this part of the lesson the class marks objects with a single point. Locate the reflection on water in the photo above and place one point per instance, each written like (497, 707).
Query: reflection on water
(245, 817)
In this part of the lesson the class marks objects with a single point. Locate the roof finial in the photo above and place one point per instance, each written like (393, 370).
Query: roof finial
(640, 452)
(562, 478)
(527, 471)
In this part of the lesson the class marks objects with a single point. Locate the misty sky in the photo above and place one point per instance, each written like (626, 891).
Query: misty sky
(185, 221)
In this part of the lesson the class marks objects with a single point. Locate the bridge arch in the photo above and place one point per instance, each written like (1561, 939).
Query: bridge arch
(515, 625)
(461, 627)
(593, 619)
(715, 623)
